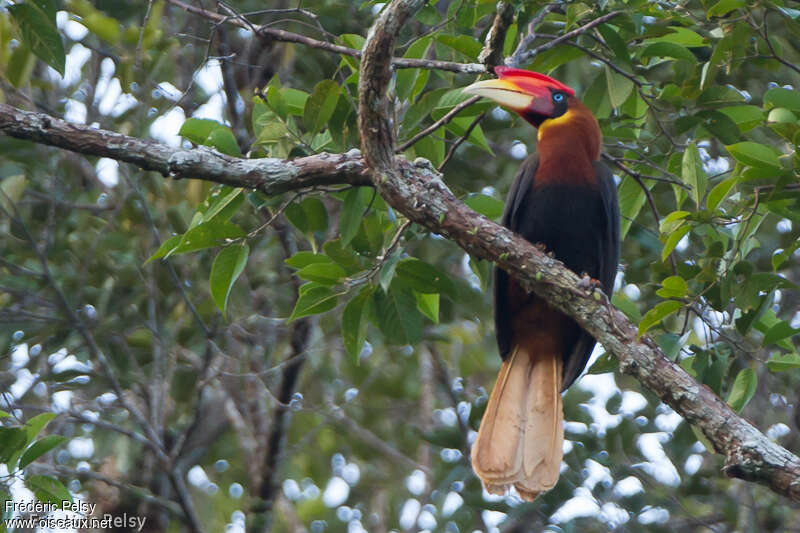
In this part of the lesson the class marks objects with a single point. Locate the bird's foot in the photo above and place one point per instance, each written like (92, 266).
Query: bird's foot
(589, 284)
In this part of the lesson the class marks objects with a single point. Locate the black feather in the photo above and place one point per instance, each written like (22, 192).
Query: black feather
(579, 223)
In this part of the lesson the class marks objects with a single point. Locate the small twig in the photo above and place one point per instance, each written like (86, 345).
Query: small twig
(522, 56)
(765, 36)
(139, 493)
(138, 53)
(368, 437)
(526, 41)
(650, 202)
(461, 139)
(436, 125)
(599, 57)
(492, 53)
(287, 36)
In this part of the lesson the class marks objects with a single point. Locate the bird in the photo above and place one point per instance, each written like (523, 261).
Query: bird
(563, 199)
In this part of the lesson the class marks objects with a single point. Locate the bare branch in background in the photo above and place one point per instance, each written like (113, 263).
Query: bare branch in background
(522, 55)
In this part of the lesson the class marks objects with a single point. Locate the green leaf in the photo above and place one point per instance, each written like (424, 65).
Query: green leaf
(667, 49)
(428, 305)
(422, 277)
(720, 54)
(720, 192)
(207, 235)
(225, 201)
(227, 268)
(658, 313)
(295, 101)
(781, 257)
(39, 448)
(746, 117)
(421, 109)
(431, 147)
(460, 125)
(355, 202)
(672, 221)
(353, 40)
(37, 423)
(682, 36)
(12, 441)
(165, 248)
(754, 154)
(465, 44)
(313, 300)
(605, 363)
(11, 190)
(723, 7)
(36, 21)
(616, 43)
(781, 115)
(397, 316)
(308, 216)
(197, 130)
(743, 389)
(305, 258)
(20, 66)
(48, 490)
(354, 322)
(324, 273)
(721, 126)
(407, 77)
(482, 269)
(673, 240)
(222, 139)
(673, 287)
(671, 344)
(105, 27)
(277, 104)
(780, 97)
(320, 105)
(208, 132)
(485, 205)
(631, 199)
(345, 257)
(780, 363)
(627, 306)
(718, 95)
(452, 98)
(386, 275)
(778, 332)
(619, 87)
(693, 174)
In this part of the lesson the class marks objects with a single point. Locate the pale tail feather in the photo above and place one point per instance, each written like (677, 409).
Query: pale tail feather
(520, 438)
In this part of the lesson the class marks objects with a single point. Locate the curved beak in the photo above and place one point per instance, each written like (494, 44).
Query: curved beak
(505, 92)
(523, 91)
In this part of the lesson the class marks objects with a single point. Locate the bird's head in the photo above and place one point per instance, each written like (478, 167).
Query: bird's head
(535, 97)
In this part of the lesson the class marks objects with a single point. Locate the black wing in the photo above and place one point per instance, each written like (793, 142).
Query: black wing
(576, 360)
(520, 187)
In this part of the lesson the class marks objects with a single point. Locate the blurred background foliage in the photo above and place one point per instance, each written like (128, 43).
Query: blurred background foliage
(311, 362)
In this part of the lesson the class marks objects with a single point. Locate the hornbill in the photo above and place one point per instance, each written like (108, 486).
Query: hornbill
(563, 198)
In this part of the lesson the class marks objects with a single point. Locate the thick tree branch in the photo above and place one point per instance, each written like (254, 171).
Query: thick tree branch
(420, 194)
(492, 53)
(268, 175)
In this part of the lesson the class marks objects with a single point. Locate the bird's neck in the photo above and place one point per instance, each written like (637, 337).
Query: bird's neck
(568, 147)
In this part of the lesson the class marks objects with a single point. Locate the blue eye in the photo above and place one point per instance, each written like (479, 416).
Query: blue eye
(558, 97)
